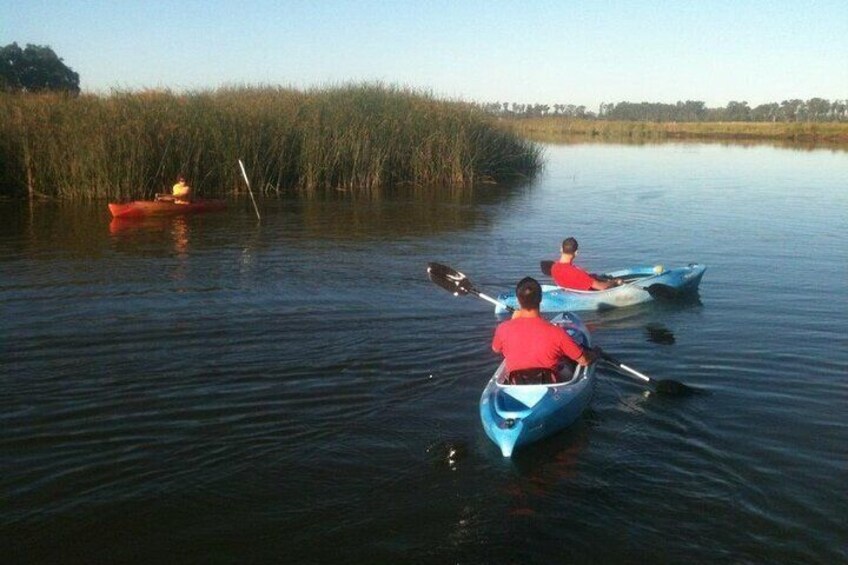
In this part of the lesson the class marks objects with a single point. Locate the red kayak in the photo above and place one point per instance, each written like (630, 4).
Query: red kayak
(141, 208)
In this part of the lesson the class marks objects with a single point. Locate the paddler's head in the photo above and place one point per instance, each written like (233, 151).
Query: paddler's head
(569, 246)
(529, 293)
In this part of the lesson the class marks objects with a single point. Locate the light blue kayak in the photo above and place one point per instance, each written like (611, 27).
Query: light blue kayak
(517, 415)
(644, 284)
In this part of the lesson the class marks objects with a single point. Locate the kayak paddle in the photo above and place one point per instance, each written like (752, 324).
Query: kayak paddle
(459, 285)
(666, 386)
(656, 290)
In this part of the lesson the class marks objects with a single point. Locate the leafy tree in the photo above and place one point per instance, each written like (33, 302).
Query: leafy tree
(791, 109)
(766, 112)
(737, 112)
(35, 68)
(840, 110)
(818, 109)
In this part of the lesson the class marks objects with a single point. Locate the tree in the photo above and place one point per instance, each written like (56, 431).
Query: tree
(790, 109)
(35, 68)
(737, 112)
(818, 109)
(765, 112)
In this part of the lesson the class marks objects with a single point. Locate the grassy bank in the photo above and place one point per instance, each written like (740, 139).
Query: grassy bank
(552, 128)
(358, 138)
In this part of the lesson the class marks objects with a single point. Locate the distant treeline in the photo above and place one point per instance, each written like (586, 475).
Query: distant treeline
(355, 138)
(795, 110)
(561, 129)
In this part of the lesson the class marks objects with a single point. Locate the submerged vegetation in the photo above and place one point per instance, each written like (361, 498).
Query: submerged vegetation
(358, 138)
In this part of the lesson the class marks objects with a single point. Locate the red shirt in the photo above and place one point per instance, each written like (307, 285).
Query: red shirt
(529, 343)
(567, 275)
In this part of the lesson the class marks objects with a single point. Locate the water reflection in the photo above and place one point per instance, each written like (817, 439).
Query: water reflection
(447, 453)
(175, 230)
(179, 232)
(120, 226)
(405, 212)
(543, 467)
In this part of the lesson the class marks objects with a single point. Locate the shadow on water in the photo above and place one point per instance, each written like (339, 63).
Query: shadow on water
(659, 334)
(540, 469)
(646, 315)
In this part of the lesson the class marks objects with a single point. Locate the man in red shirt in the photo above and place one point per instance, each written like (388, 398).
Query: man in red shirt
(532, 346)
(568, 275)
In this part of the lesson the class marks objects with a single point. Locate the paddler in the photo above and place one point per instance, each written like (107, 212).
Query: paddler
(568, 275)
(181, 191)
(534, 348)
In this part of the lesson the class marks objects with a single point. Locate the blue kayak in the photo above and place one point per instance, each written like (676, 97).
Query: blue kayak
(517, 415)
(643, 284)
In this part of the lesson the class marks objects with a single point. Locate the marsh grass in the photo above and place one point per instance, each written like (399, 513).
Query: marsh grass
(551, 128)
(361, 139)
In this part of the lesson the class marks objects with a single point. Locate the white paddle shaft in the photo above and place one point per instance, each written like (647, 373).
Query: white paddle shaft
(635, 372)
(244, 174)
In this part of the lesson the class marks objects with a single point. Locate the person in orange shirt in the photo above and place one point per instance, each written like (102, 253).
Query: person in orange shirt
(568, 275)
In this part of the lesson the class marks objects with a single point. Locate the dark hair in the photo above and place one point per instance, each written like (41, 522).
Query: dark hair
(569, 245)
(529, 293)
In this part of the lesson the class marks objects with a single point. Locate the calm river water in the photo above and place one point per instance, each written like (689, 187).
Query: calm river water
(210, 389)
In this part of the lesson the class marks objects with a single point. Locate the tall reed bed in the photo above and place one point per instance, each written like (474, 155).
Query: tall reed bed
(550, 128)
(357, 138)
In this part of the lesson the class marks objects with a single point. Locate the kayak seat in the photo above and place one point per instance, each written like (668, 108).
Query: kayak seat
(543, 376)
(565, 371)
(534, 376)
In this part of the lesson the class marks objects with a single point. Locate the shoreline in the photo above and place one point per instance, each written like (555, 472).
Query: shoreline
(552, 128)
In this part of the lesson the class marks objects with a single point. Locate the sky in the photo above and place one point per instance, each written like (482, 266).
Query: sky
(548, 52)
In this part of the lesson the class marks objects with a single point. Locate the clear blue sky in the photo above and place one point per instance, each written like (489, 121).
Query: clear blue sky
(546, 52)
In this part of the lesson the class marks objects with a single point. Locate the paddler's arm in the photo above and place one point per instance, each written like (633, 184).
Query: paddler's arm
(587, 358)
(598, 284)
(497, 343)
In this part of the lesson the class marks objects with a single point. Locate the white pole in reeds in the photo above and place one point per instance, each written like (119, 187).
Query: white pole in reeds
(244, 174)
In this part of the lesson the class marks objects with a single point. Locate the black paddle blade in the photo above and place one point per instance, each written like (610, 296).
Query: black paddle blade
(663, 291)
(546, 267)
(674, 388)
(449, 279)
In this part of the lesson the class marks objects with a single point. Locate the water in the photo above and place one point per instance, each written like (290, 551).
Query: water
(209, 389)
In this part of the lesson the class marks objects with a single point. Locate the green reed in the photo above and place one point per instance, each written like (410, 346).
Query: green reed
(360, 139)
